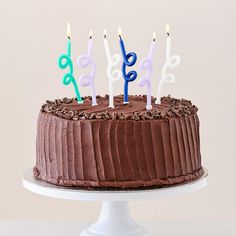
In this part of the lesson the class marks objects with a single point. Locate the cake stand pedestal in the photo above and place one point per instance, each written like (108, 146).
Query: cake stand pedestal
(115, 218)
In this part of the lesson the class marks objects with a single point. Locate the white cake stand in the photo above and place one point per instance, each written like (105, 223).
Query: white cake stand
(115, 218)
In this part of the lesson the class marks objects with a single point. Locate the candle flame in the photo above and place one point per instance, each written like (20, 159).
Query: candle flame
(154, 36)
(90, 34)
(104, 33)
(68, 29)
(119, 31)
(167, 29)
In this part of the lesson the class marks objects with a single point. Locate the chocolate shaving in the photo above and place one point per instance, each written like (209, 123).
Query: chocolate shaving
(36, 172)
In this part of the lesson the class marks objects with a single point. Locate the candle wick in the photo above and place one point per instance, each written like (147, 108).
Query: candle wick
(168, 34)
(154, 40)
(104, 36)
(120, 36)
(68, 37)
(90, 36)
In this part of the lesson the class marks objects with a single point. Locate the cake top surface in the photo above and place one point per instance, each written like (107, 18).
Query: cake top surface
(68, 108)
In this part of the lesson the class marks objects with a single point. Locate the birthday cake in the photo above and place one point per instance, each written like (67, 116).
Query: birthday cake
(118, 142)
(127, 147)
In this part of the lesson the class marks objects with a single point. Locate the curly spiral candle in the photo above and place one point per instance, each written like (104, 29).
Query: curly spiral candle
(146, 65)
(171, 62)
(128, 60)
(113, 75)
(65, 61)
(88, 79)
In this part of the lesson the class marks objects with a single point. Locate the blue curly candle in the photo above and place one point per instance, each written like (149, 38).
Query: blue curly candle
(128, 60)
(64, 62)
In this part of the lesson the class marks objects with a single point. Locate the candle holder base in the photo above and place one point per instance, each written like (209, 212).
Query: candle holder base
(148, 107)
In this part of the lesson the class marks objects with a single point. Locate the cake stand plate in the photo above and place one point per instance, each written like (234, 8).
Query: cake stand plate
(115, 218)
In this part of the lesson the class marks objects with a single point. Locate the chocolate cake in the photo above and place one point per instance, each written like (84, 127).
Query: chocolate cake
(126, 147)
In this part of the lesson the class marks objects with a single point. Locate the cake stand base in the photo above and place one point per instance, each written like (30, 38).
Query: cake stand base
(115, 218)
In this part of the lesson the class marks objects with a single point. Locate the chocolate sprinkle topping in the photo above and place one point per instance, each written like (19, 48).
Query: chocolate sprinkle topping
(69, 109)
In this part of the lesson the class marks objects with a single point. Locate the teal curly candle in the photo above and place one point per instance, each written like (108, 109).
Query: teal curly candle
(64, 62)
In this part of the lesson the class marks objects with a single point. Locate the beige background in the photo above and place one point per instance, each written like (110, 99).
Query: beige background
(32, 38)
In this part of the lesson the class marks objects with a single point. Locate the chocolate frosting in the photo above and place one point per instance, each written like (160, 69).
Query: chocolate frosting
(125, 147)
(69, 108)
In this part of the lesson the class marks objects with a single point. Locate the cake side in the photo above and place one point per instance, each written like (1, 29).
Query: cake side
(120, 153)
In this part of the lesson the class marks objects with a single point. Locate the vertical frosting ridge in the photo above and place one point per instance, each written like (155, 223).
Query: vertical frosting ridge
(186, 146)
(174, 147)
(127, 147)
(52, 154)
(167, 149)
(43, 148)
(190, 141)
(55, 149)
(105, 151)
(144, 153)
(109, 149)
(140, 152)
(133, 152)
(38, 149)
(114, 150)
(59, 148)
(181, 147)
(88, 158)
(194, 138)
(124, 161)
(154, 151)
(196, 120)
(71, 150)
(94, 152)
(148, 150)
(97, 151)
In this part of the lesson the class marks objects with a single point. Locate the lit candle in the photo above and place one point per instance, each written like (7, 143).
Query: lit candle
(113, 61)
(128, 60)
(64, 62)
(171, 62)
(146, 65)
(85, 61)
